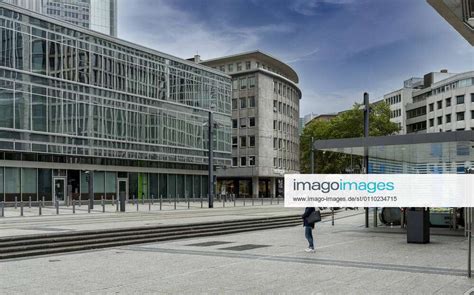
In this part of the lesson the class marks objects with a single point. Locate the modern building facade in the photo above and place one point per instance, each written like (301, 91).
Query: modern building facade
(265, 124)
(97, 15)
(73, 101)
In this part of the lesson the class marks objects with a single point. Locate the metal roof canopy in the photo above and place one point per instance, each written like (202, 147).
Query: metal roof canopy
(411, 148)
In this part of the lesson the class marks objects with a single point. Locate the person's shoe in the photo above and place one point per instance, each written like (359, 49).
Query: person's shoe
(309, 250)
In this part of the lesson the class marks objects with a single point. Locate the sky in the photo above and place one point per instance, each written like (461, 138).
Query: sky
(339, 48)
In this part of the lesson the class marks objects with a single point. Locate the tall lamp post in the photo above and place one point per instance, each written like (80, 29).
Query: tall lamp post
(366, 152)
(210, 180)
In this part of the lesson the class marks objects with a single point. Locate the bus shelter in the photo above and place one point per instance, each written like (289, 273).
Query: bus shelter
(428, 153)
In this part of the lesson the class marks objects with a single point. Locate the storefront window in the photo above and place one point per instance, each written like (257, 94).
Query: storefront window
(28, 184)
(171, 186)
(12, 184)
(163, 183)
(110, 184)
(189, 186)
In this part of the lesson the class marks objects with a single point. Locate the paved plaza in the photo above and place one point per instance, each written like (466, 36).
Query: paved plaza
(349, 259)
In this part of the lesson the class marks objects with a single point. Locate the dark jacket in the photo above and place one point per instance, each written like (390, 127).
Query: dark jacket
(307, 212)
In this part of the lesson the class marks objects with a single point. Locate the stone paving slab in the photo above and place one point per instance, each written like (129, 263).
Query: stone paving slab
(347, 261)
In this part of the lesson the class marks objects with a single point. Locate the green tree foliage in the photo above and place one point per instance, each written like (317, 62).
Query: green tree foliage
(347, 124)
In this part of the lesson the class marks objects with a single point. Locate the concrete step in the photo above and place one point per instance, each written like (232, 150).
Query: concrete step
(57, 242)
(24, 246)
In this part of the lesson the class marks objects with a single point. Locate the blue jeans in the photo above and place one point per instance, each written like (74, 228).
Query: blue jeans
(308, 233)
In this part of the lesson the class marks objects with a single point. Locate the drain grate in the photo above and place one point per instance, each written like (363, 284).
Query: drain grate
(244, 247)
(209, 244)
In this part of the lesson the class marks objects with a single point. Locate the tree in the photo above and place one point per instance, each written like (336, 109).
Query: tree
(347, 124)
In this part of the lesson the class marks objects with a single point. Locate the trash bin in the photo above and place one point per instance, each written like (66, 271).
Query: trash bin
(418, 226)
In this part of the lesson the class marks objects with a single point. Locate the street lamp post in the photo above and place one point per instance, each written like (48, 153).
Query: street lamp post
(210, 181)
(366, 152)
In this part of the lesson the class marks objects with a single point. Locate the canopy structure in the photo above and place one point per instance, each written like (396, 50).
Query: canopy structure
(444, 152)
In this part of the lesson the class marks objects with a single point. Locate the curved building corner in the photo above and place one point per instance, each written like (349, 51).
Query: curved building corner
(265, 118)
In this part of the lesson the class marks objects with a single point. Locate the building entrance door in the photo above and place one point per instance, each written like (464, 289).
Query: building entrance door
(122, 190)
(59, 189)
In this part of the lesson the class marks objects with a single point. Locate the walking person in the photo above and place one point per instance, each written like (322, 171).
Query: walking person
(308, 228)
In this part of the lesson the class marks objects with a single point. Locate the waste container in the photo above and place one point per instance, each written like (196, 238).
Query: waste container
(418, 226)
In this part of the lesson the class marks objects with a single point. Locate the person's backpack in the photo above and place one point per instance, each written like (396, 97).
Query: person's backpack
(314, 217)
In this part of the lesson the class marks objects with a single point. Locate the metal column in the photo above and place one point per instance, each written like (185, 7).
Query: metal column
(366, 152)
(210, 181)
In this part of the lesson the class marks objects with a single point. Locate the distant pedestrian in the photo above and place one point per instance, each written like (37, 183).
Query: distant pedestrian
(308, 228)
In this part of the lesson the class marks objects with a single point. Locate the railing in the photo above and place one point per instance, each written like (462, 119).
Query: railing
(41, 206)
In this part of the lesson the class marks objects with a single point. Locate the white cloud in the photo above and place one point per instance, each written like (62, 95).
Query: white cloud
(309, 7)
(164, 28)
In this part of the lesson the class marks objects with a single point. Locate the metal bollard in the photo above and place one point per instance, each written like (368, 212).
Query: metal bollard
(137, 204)
(21, 208)
(332, 216)
(201, 201)
(29, 202)
(113, 200)
(3, 210)
(80, 200)
(234, 199)
(39, 209)
(152, 198)
(149, 205)
(42, 201)
(103, 204)
(188, 202)
(117, 204)
(244, 201)
(262, 201)
(16, 202)
(278, 201)
(73, 206)
(143, 199)
(57, 207)
(174, 203)
(161, 201)
(88, 209)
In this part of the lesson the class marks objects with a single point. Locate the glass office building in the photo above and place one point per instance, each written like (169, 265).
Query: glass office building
(73, 101)
(97, 15)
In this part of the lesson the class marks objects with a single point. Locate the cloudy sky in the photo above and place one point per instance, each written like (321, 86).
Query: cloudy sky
(339, 48)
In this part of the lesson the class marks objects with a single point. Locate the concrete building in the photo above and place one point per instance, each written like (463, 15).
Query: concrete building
(97, 15)
(265, 123)
(74, 101)
(459, 14)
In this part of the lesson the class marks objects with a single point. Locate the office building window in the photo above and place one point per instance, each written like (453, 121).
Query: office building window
(251, 101)
(472, 97)
(431, 122)
(243, 122)
(234, 141)
(235, 162)
(243, 141)
(243, 103)
(275, 143)
(252, 121)
(460, 99)
(252, 161)
(448, 118)
(279, 126)
(440, 120)
(440, 104)
(247, 65)
(243, 83)
(431, 106)
(251, 141)
(234, 104)
(252, 82)
(279, 107)
(239, 66)
(472, 115)
(234, 123)
(222, 68)
(448, 102)
(235, 84)
(275, 162)
(243, 161)
(460, 116)
(230, 67)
